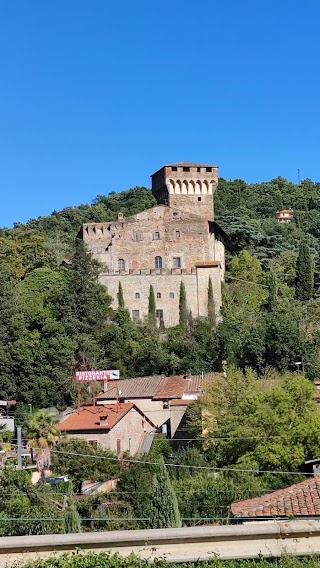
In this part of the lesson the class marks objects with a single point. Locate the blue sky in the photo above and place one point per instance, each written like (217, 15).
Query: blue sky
(97, 95)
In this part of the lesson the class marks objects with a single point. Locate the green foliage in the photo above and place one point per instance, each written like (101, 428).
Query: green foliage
(152, 320)
(275, 418)
(72, 522)
(121, 303)
(304, 273)
(183, 310)
(87, 462)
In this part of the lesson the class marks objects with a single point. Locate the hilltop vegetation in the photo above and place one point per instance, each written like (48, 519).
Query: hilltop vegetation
(56, 319)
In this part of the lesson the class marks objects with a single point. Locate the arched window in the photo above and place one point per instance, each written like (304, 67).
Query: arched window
(121, 264)
(137, 295)
(158, 262)
(159, 295)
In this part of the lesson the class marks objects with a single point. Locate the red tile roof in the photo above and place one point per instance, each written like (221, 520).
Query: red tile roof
(88, 417)
(172, 387)
(180, 402)
(301, 499)
(139, 387)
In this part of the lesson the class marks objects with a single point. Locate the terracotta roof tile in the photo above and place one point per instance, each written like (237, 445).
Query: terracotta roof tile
(88, 417)
(172, 387)
(301, 499)
(139, 387)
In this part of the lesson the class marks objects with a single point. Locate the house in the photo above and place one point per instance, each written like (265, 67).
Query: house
(284, 216)
(118, 427)
(176, 241)
(299, 500)
(164, 400)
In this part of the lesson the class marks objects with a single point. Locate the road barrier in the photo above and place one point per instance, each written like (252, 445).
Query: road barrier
(249, 540)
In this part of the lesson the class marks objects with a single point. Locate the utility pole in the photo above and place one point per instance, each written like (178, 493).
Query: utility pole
(19, 446)
(298, 176)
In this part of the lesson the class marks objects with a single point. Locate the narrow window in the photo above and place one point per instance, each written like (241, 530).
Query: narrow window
(176, 262)
(199, 198)
(198, 169)
(129, 446)
(159, 315)
(174, 169)
(178, 234)
(159, 295)
(118, 446)
(208, 169)
(171, 295)
(185, 169)
(137, 236)
(137, 295)
(156, 236)
(158, 262)
(136, 316)
(121, 264)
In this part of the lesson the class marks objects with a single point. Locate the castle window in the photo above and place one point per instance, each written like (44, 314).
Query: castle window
(137, 236)
(208, 169)
(159, 315)
(137, 295)
(136, 315)
(185, 169)
(158, 262)
(121, 264)
(156, 236)
(171, 295)
(178, 234)
(159, 295)
(198, 169)
(174, 169)
(199, 198)
(176, 262)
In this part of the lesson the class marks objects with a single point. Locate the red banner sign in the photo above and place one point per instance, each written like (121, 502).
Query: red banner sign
(97, 375)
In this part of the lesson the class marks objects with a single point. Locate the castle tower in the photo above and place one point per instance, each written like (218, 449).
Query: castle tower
(186, 186)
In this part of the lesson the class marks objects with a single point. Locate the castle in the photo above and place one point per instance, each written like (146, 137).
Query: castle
(175, 241)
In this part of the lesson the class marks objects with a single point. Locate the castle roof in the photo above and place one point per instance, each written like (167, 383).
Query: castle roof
(191, 165)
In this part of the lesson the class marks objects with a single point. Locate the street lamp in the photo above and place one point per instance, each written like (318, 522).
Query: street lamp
(298, 363)
(30, 408)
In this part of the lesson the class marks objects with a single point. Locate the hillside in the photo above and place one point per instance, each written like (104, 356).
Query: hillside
(56, 319)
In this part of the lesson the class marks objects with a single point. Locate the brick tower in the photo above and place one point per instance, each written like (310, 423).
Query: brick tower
(186, 186)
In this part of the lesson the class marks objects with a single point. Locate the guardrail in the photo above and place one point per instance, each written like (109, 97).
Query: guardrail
(269, 538)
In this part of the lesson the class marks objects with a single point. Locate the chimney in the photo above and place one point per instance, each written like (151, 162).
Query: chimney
(103, 420)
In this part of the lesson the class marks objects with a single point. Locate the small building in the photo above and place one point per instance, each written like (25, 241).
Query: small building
(119, 427)
(299, 500)
(284, 215)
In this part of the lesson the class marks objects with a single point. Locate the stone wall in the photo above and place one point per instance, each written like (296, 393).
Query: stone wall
(158, 232)
(167, 288)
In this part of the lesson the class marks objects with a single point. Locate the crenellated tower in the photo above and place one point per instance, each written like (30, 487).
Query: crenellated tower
(187, 186)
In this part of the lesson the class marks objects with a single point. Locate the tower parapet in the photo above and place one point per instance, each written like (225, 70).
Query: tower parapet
(187, 186)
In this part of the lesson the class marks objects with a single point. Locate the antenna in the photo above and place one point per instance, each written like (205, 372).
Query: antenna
(298, 172)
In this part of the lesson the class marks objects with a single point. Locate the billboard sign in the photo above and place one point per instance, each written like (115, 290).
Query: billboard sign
(97, 375)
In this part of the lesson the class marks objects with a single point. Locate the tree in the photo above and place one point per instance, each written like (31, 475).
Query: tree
(72, 519)
(211, 305)
(163, 507)
(304, 273)
(152, 320)
(271, 302)
(275, 418)
(42, 435)
(121, 303)
(183, 310)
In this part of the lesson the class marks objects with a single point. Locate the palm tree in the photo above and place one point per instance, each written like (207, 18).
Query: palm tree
(42, 435)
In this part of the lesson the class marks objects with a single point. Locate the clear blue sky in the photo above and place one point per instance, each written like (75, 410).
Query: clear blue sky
(96, 95)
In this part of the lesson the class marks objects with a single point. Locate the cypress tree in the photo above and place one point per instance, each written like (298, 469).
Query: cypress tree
(304, 273)
(183, 310)
(152, 319)
(72, 522)
(164, 510)
(120, 297)
(211, 306)
(271, 302)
